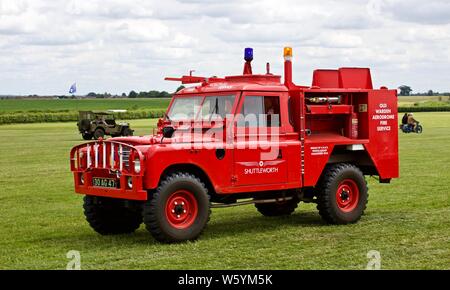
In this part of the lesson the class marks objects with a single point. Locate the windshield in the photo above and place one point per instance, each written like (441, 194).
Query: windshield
(185, 108)
(204, 108)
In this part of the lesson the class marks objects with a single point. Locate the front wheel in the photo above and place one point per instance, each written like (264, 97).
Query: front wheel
(419, 129)
(108, 216)
(178, 210)
(343, 194)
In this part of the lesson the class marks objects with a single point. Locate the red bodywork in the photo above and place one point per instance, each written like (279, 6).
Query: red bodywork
(361, 129)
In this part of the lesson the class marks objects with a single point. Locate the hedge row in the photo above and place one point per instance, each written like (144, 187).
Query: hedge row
(423, 109)
(40, 117)
(14, 118)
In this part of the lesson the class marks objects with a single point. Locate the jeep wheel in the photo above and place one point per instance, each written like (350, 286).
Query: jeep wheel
(109, 216)
(277, 209)
(343, 194)
(87, 136)
(99, 133)
(127, 132)
(178, 210)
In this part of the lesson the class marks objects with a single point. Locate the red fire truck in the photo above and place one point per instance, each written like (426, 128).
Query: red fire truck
(245, 139)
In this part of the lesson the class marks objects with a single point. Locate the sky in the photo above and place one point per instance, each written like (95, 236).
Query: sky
(118, 46)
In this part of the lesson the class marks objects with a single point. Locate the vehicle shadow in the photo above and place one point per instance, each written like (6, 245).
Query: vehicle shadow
(226, 226)
(258, 223)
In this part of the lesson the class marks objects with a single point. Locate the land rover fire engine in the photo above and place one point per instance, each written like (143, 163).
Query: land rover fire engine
(245, 139)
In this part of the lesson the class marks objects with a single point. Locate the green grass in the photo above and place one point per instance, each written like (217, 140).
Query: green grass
(421, 101)
(23, 105)
(42, 219)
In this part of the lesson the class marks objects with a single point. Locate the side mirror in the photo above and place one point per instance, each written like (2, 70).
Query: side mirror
(168, 132)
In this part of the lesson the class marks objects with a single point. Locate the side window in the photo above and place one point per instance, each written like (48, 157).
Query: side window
(259, 111)
(272, 111)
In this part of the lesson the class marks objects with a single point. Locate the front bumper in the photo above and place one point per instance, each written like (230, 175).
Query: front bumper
(108, 159)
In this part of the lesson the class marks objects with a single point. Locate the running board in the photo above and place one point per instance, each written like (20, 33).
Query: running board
(273, 200)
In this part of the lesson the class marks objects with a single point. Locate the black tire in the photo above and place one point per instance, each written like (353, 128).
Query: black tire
(277, 209)
(419, 129)
(346, 178)
(99, 133)
(157, 213)
(127, 132)
(84, 125)
(109, 216)
(87, 136)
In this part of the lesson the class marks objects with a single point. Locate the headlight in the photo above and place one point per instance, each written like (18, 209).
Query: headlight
(82, 179)
(137, 165)
(130, 182)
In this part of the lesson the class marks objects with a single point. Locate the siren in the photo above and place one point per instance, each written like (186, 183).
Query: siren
(248, 57)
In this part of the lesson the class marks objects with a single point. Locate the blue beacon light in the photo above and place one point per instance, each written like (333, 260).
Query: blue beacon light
(248, 54)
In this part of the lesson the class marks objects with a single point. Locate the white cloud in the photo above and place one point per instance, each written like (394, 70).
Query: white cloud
(418, 11)
(117, 46)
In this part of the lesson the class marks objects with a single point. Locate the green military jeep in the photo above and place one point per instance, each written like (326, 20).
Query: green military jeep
(98, 124)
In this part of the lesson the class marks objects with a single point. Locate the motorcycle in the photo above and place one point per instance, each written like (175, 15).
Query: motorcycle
(406, 128)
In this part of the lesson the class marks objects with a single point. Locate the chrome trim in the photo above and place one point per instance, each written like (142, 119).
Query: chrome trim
(88, 155)
(120, 157)
(111, 160)
(96, 154)
(104, 154)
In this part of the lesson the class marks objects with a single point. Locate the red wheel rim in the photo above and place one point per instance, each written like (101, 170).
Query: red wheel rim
(347, 195)
(181, 209)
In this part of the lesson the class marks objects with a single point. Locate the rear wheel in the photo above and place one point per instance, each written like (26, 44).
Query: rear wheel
(99, 133)
(87, 136)
(179, 209)
(277, 209)
(108, 216)
(343, 194)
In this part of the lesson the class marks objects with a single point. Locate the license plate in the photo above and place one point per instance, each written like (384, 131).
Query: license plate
(104, 182)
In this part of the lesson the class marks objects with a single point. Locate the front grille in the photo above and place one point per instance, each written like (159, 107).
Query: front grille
(104, 155)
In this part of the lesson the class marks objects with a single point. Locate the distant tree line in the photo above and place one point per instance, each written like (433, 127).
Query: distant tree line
(133, 94)
(407, 91)
(150, 94)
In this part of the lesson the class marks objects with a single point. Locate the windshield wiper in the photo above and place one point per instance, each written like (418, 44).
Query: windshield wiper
(216, 107)
(167, 117)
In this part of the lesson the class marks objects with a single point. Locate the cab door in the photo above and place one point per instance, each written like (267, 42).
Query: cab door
(259, 158)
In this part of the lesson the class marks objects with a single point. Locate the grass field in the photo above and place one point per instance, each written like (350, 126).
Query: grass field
(23, 105)
(42, 219)
(424, 101)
